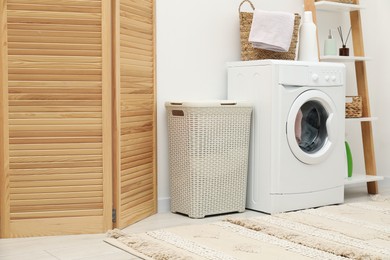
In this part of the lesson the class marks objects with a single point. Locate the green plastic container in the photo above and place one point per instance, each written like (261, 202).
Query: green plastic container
(349, 159)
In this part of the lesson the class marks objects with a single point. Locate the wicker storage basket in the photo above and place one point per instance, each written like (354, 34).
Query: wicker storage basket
(208, 156)
(339, 1)
(250, 53)
(353, 107)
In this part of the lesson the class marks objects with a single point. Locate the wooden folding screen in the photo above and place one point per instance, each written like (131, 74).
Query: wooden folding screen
(134, 106)
(56, 117)
(77, 115)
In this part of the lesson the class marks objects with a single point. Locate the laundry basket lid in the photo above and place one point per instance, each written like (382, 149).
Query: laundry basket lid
(208, 103)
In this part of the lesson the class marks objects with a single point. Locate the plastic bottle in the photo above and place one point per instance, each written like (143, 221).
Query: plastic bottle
(308, 48)
(349, 159)
(330, 47)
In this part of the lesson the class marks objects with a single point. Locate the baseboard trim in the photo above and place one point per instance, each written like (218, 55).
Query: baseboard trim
(164, 205)
(384, 183)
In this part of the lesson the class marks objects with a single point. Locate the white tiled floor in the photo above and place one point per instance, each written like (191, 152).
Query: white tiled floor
(88, 247)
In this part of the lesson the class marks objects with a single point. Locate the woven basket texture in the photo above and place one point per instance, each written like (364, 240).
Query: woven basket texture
(208, 158)
(339, 1)
(250, 53)
(353, 109)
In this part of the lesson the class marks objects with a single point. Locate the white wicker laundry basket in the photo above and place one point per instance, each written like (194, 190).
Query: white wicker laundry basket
(208, 156)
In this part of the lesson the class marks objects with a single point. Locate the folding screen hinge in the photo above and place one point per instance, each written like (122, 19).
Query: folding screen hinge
(113, 215)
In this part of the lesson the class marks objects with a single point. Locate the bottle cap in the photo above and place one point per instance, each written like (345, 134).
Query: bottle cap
(330, 36)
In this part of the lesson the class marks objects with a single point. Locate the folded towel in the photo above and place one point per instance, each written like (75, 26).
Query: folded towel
(272, 30)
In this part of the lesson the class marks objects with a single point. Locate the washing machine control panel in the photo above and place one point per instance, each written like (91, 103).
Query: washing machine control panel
(311, 74)
(325, 77)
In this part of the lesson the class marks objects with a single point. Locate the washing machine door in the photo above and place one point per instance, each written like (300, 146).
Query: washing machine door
(311, 127)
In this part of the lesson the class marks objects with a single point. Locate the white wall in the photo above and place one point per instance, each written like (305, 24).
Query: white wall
(377, 39)
(195, 38)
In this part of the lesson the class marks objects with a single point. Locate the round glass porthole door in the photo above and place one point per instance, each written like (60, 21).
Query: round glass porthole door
(311, 129)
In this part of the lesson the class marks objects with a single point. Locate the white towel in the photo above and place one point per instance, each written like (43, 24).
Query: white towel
(272, 30)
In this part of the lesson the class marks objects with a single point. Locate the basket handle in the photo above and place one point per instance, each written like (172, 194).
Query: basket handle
(239, 8)
(176, 112)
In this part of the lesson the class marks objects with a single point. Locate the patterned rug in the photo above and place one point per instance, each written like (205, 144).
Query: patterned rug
(349, 231)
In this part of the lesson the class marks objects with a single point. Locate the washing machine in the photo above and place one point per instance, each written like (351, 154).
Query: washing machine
(297, 150)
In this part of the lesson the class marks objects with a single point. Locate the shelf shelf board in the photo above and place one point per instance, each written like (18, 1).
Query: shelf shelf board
(362, 179)
(361, 119)
(337, 7)
(335, 58)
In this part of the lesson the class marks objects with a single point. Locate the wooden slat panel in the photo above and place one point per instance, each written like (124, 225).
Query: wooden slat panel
(138, 196)
(137, 136)
(86, 194)
(58, 140)
(18, 16)
(55, 208)
(71, 158)
(55, 46)
(136, 35)
(136, 51)
(50, 226)
(4, 144)
(56, 201)
(135, 163)
(40, 177)
(134, 146)
(66, 121)
(74, 183)
(53, 214)
(138, 199)
(62, 127)
(137, 56)
(55, 52)
(50, 62)
(135, 156)
(138, 157)
(135, 171)
(54, 164)
(140, 138)
(126, 155)
(53, 8)
(58, 27)
(130, 41)
(21, 109)
(34, 190)
(139, 211)
(58, 105)
(142, 176)
(135, 120)
(50, 84)
(32, 153)
(54, 146)
(77, 3)
(52, 33)
(47, 39)
(131, 153)
(17, 103)
(135, 7)
(26, 17)
(54, 115)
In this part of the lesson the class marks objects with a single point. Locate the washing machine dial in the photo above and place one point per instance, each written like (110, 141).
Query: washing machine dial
(333, 78)
(327, 77)
(314, 77)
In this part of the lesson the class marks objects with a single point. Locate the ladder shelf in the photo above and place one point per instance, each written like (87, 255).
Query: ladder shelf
(336, 7)
(335, 58)
(361, 80)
